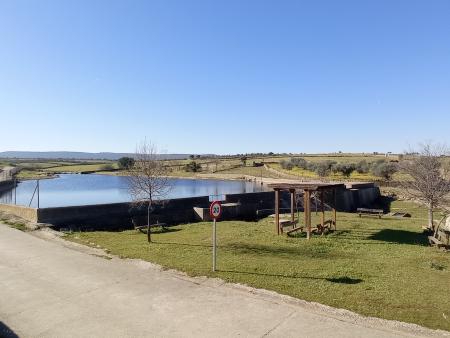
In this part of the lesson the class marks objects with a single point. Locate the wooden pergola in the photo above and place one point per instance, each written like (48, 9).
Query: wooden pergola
(307, 188)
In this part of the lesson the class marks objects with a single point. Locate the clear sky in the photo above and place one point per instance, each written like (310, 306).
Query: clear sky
(224, 76)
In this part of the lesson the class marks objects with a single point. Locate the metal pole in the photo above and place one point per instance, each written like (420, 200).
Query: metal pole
(15, 191)
(214, 246)
(38, 192)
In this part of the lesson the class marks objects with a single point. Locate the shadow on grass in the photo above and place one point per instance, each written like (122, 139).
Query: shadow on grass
(345, 280)
(340, 280)
(271, 274)
(6, 332)
(400, 237)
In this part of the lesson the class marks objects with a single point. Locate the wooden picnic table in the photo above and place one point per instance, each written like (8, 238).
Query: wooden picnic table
(144, 228)
(370, 212)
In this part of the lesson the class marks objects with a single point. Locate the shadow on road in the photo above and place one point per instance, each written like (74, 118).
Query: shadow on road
(6, 332)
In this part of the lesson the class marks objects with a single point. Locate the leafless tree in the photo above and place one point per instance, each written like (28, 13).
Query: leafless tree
(148, 181)
(428, 179)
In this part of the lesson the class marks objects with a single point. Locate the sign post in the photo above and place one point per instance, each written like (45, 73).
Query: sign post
(215, 210)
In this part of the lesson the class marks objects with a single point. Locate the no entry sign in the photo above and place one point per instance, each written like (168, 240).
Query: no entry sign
(215, 210)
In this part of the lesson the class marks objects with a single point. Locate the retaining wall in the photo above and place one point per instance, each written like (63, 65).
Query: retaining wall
(181, 210)
(29, 214)
(120, 215)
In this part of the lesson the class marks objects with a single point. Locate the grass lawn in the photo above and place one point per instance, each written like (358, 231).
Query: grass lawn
(381, 268)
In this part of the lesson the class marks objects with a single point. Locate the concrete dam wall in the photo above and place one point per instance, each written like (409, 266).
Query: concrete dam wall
(175, 211)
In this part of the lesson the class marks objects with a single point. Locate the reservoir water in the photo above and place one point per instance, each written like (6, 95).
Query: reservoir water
(76, 189)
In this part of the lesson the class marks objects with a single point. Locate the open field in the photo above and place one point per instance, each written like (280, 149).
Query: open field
(225, 165)
(84, 167)
(376, 267)
(251, 171)
(354, 176)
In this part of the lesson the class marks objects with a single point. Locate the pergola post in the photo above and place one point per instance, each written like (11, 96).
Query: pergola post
(334, 208)
(307, 207)
(277, 210)
(308, 189)
(322, 208)
(292, 191)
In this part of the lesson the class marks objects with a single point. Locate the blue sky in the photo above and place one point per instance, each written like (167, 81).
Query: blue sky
(224, 76)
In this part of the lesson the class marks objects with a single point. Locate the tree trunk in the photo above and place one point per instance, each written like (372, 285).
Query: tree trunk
(149, 238)
(430, 216)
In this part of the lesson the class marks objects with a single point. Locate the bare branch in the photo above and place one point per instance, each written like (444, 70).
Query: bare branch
(428, 178)
(147, 179)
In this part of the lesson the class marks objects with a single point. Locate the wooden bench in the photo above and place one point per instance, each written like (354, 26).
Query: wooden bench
(370, 212)
(144, 228)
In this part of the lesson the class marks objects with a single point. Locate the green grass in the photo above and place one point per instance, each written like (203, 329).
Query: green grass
(32, 174)
(381, 268)
(83, 167)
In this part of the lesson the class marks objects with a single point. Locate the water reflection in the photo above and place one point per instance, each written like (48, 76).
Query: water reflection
(74, 189)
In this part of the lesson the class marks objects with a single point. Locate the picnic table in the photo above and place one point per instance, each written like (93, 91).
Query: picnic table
(144, 228)
(370, 212)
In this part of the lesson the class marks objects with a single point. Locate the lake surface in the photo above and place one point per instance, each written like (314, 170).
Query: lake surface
(75, 189)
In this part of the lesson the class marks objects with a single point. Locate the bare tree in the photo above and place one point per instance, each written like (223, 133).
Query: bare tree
(428, 179)
(148, 181)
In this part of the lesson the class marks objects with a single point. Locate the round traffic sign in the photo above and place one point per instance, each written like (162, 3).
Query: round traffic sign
(215, 210)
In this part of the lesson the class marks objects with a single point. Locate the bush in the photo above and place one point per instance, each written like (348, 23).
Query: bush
(345, 169)
(322, 168)
(384, 170)
(286, 164)
(299, 162)
(362, 167)
(258, 164)
(192, 167)
(107, 167)
(125, 162)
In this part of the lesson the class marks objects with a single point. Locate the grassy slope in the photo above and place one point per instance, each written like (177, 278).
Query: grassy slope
(375, 267)
(251, 171)
(355, 176)
(83, 167)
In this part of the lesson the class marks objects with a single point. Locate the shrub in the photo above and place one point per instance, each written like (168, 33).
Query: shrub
(384, 170)
(299, 162)
(322, 168)
(345, 169)
(107, 167)
(125, 162)
(192, 167)
(258, 164)
(286, 164)
(362, 167)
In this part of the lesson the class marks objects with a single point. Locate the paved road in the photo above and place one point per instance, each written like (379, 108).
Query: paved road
(50, 289)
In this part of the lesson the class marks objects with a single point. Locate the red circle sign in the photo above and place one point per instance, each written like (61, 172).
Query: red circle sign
(215, 210)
